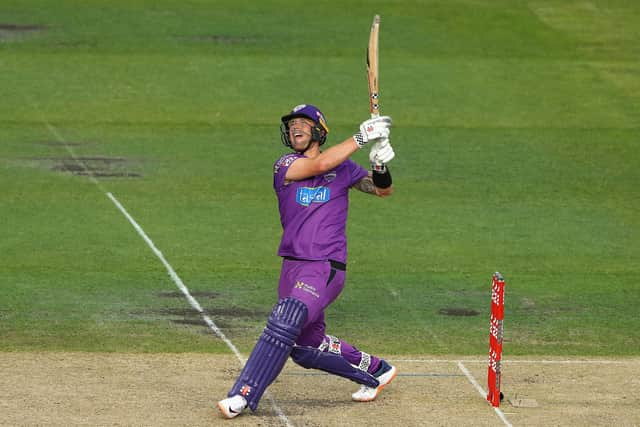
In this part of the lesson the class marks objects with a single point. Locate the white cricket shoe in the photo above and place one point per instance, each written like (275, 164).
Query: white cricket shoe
(232, 406)
(386, 373)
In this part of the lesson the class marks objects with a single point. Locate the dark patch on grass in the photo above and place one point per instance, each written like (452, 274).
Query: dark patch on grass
(453, 311)
(212, 312)
(175, 312)
(103, 159)
(199, 322)
(236, 312)
(95, 166)
(190, 322)
(223, 317)
(110, 174)
(22, 27)
(10, 32)
(195, 294)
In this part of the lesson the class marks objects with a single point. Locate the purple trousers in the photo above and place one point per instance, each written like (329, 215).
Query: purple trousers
(317, 284)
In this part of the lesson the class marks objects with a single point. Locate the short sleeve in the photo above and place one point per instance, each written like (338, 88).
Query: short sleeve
(357, 172)
(280, 168)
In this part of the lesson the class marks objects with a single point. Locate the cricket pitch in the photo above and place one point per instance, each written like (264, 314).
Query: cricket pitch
(58, 389)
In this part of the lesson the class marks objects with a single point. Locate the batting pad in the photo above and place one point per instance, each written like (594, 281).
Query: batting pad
(271, 351)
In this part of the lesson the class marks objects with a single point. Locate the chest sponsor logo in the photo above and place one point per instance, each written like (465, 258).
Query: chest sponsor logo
(307, 195)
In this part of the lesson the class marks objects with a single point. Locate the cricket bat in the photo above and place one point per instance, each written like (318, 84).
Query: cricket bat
(372, 68)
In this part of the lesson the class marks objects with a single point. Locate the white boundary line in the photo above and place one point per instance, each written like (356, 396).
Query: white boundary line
(483, 393)
(174, 276)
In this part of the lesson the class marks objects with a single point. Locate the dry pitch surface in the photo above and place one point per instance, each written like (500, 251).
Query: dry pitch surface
(57, 389)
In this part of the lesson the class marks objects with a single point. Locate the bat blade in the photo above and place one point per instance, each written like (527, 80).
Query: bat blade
(372, 68)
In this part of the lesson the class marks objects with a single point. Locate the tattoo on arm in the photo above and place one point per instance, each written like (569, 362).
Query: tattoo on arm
(366, 185)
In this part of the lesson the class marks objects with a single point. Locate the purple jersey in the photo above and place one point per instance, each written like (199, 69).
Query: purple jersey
(313, 212)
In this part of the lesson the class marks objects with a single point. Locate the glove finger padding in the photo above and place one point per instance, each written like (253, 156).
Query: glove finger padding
(381, 153)
(385, 154)
(381, 143)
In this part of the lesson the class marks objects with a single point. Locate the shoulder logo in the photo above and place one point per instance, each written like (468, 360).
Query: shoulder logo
(284, 161)
(330, 176)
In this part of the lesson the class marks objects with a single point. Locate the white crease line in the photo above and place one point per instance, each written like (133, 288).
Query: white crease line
(483, 393)
(194, 303)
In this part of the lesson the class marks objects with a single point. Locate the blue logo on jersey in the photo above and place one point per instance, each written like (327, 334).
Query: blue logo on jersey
(307, 195)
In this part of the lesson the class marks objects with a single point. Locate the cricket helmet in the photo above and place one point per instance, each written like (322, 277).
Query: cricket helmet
(319, 130)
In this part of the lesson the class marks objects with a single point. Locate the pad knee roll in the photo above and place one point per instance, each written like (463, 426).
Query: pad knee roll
(286, 321)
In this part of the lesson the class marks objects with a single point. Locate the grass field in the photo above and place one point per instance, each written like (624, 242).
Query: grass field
(516, 138)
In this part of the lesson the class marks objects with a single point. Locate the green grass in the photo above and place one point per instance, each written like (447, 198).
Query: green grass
(516, 132)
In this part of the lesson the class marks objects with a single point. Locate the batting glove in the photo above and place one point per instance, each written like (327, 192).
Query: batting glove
(381, 153)
(373, 130)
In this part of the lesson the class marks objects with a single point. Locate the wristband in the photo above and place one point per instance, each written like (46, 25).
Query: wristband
(382, 179)
(359, 139)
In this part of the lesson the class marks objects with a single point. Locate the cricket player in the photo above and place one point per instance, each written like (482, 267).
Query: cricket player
(312, 187)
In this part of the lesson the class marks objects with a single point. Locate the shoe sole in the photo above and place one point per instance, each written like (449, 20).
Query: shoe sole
(380, 387)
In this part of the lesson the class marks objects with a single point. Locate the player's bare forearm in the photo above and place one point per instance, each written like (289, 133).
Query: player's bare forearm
(323, 162)
(337, 154)
(366, 185)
